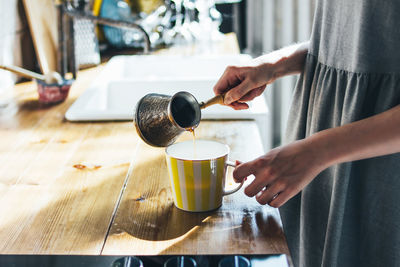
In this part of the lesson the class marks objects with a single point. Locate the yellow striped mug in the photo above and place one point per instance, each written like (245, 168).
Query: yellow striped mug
(197, 172)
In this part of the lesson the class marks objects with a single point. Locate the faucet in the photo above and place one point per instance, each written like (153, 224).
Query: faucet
(66, 40)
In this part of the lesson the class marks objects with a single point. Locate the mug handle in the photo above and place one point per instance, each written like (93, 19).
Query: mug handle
(234, 190)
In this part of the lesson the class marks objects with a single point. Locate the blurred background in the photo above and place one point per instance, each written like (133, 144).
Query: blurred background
(259, 25)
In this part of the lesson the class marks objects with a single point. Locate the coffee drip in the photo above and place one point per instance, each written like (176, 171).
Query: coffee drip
(192, 131)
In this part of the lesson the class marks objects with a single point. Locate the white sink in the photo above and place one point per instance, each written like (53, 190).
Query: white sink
(126, 79)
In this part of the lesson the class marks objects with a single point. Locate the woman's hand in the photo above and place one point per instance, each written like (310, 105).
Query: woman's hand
(285, 171)
(281, 173)
(242, 84)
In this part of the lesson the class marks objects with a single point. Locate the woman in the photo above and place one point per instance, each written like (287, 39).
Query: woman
(337, 181)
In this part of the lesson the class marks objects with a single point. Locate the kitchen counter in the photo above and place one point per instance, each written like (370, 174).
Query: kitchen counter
(97, 189)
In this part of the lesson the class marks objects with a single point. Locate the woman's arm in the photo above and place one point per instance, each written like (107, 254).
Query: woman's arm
(285, 61)
(371, 137)
(285, 171)
(244, 83)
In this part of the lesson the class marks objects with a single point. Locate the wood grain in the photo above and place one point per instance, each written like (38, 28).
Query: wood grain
(147, 223)
(61, 186)
(59, 181)
(96, 188)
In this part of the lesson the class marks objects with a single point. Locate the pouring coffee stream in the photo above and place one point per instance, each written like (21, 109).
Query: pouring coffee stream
(160, 119)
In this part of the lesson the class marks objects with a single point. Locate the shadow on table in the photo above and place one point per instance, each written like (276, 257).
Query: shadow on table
(168, 223)
(147, 210)
(77, 222)
(34, 104)
(252, 228)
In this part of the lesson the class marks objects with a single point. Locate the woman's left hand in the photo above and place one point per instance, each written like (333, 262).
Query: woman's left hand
(281, 173)
(285, 171)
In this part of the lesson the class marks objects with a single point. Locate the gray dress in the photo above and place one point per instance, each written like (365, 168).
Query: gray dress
(349, 215)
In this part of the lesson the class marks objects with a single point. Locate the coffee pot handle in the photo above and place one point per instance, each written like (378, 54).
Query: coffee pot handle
(234, 190)
(218, 99)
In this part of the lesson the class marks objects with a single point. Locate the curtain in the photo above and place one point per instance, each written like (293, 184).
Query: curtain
(270, 25)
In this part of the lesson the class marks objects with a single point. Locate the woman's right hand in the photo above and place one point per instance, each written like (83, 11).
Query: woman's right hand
(243, 84)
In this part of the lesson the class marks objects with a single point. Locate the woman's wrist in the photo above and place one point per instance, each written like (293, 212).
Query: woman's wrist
(374, 136)
(323, 149)
(286, 61)
(286, 66)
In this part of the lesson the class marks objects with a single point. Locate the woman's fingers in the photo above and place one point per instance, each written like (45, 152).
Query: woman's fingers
(255, 187)
(253, 94)
(239, 85)
(237, 92)
(280, 199)
(281, 173)
(269, 193)
(252, 167)
(239, 105)
(243, 170)
(229, 79)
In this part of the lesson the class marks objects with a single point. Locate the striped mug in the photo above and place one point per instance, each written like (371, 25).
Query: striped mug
(197, 172)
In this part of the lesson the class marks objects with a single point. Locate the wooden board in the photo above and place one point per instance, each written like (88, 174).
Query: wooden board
(42, 19)
(59, 182)
(68, 207)
(147, 223)
(96, 188)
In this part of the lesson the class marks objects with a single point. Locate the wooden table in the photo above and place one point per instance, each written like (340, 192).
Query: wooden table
(96, 189)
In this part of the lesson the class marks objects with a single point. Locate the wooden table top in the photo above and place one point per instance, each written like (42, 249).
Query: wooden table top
(96, 189)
